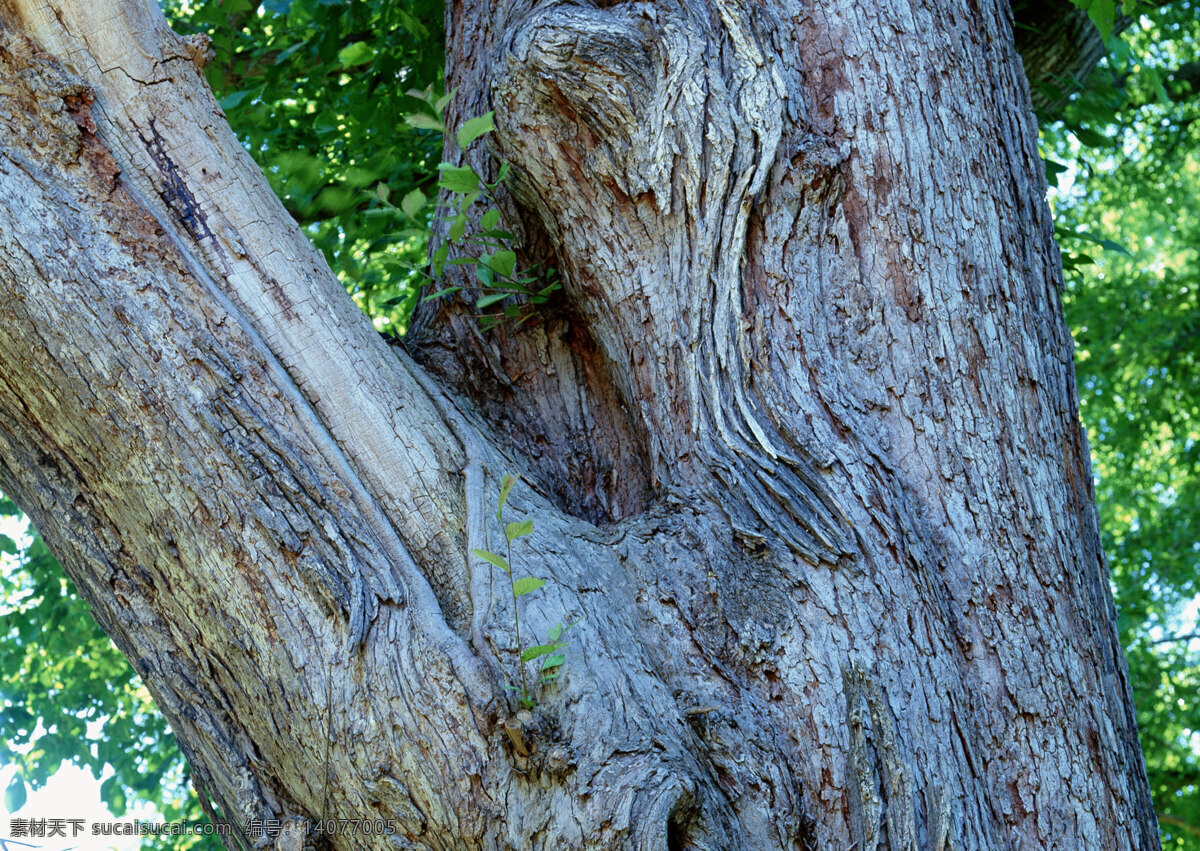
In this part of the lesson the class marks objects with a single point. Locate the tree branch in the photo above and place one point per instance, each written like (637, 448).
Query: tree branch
(1174, 821)
(1176, 639)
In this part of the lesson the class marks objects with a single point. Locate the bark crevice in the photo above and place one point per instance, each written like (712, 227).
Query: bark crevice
(635, 102)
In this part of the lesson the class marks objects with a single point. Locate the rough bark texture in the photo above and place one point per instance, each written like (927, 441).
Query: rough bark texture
(801, 442)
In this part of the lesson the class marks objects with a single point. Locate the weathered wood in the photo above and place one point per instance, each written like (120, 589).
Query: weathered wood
(811, 374)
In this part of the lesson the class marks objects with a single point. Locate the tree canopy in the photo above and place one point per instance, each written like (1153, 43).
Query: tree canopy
(318, 91)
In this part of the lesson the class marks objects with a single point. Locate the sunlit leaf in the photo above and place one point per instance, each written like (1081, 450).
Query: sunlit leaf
(457, 178)
(422, 121)
(527, 585)
(412, 203)
(492, 558)
(517, 529)
(473, 128)
(1103, 13)
(357, 53)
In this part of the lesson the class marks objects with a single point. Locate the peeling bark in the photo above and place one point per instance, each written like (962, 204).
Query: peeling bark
(800, 444)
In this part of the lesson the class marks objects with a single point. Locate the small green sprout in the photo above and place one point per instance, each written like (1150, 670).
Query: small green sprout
(549, 652)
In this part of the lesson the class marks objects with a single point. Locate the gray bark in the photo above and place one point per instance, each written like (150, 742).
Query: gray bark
(800, 445)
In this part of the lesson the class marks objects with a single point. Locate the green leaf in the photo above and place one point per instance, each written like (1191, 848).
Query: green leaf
(1091, 138)
(473, 128)
(553, 661)
(1053, 170)
(492, 558)
(1103, 14)
(421, 121)
(439, 258)
(503, 263)
(8, 545)
(440, 106)
(288, 52)
(500, 234)
(527, 585)
(234, 99)
(1106, 244)
(113, 796)
(458, 228)
(531, 653)
(555, 632)
(518, 529)
(15, 795)
(358, 53)
(506, 485)
(457, 178)
(490, 219)
(440, 293)
(489, 300)
(485, 275)
(412, 203)
(415, 27)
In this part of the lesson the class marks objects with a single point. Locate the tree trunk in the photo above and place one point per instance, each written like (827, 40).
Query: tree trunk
(800, 446)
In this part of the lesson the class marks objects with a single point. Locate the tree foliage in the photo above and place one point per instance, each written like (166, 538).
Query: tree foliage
(317, 91)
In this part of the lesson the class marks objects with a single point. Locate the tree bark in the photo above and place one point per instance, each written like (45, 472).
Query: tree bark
(800, 446)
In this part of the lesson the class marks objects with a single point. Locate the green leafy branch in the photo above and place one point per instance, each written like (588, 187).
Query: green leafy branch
(548, 652)
(490, 250)
(1074, 259)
